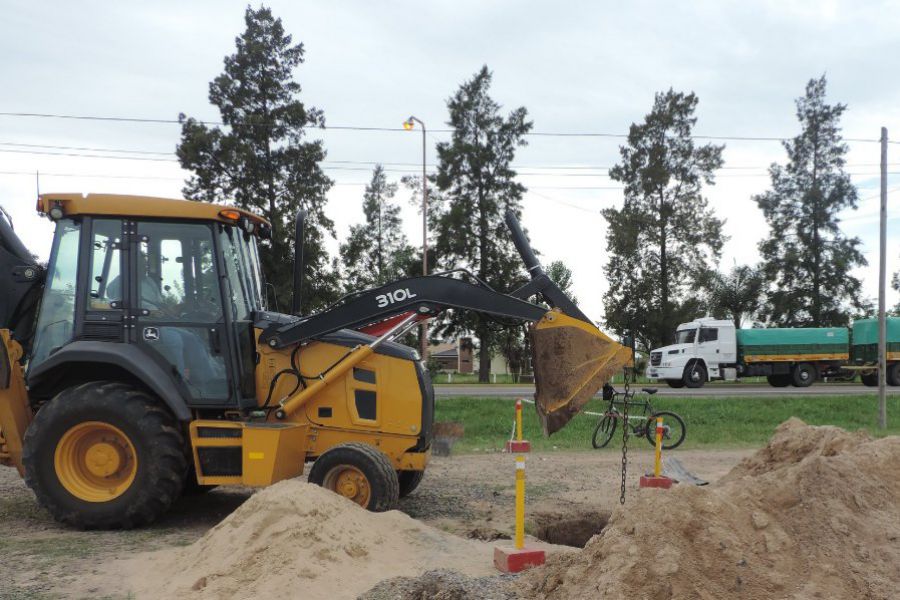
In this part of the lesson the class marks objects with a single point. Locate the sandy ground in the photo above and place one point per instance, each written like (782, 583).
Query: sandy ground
(469, 495)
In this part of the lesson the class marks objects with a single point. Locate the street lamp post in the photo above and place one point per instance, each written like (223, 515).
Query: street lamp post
(423, 326)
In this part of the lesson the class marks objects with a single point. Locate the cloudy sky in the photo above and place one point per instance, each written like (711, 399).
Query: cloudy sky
(579, 67)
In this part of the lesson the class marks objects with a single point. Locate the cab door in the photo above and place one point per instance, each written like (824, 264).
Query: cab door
(177, 308)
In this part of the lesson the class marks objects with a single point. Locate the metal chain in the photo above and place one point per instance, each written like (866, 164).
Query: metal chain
(626, 375)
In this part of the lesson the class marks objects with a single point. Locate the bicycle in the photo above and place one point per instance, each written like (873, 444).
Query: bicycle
(674, 429)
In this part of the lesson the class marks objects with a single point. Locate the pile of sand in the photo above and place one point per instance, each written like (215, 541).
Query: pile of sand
(814, 514)
(297, 540)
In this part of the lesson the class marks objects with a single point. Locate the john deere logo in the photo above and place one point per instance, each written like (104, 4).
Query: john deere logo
(151, 334)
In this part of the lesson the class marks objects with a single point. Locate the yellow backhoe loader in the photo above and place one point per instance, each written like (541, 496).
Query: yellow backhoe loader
(142, 361)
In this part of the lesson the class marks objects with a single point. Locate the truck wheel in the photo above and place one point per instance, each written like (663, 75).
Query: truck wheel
(893, 374)
(779, 380)
(869, 379)
(104, 455)
(675, 383)
(803, 375)
(359, 472)
(409, 481)
(694, 375)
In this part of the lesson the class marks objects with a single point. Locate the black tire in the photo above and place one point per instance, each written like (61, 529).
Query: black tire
(675, 383)
(674, 426)
(381, 478)
(694, 375)
(869, 379)
(409, 481)
(604, 431)
(159, 448)
(893, 374)
(782, 380)
(803, 375)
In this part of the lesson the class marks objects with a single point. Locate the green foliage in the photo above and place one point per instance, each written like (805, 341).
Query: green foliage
(895, 283)
(737, 294)
(376, 252)
(561, 275)
(259, 159)
(476, 186)
(806, 258)
(665, 237)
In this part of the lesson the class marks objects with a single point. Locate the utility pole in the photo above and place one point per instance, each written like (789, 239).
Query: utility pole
(423, 326)
(882, 285)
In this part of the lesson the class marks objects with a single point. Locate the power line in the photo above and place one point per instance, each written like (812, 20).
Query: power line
(563, 134)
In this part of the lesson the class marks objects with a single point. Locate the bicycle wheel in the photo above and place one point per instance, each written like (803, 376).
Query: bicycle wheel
(604, 431)
(674, 429)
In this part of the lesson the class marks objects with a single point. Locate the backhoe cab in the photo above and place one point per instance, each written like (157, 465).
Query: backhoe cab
(143, 361)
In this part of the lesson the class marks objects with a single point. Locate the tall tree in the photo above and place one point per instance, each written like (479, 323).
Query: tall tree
(895, 283)
(477, 185)
(665, 237)
(259, 159)
(737, 294)
(806, 258)
(561, 275)
(376, 251)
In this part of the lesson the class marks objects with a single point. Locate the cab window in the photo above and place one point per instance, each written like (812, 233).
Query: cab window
(176, 273)
(57, 312)
(709, 334)
(685, 336)
(106, 269)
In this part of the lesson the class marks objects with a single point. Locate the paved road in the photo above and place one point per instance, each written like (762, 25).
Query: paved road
(503, 391)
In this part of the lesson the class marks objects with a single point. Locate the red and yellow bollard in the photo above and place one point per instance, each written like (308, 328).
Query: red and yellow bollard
(515, 558)
(657, 480)
(518, 444)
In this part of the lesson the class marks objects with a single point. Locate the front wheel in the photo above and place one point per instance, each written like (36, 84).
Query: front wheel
(893, 374)
(675, 383)
(604, 431)
(409, 481)
(359, 472)
(694, 375)
(674, 430)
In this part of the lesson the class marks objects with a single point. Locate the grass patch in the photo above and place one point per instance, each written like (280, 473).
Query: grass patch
(711, 421)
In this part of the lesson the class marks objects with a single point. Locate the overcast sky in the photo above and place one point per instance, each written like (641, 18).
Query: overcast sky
(577, 67)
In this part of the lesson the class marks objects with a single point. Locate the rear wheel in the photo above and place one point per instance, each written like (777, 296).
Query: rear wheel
(893, 374)
(359, 472)
(803, 375)
(675, 383)
(604, 431)
(409, 481)
(694, 375)
(104, 455)
(869, 379)
(674, 430)
(783, 380)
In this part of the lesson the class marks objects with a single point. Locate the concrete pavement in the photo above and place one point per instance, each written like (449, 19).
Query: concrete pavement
(730, 390)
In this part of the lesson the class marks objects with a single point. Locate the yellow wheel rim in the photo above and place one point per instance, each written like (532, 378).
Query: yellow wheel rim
(95, 461)
(350, 483)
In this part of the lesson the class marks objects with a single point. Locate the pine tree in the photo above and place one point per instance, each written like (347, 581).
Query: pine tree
(806, 258)
(737, 294)
(259, 159)
(376, 251)
(665, 237)
(476, 186)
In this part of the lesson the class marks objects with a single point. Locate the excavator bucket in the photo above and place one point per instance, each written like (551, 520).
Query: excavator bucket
(572, 359)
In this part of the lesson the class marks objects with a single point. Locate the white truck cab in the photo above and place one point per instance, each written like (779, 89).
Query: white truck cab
(704, 349)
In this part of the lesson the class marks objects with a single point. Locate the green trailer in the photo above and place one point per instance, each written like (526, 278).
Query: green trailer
(864, 350)
(795, 356)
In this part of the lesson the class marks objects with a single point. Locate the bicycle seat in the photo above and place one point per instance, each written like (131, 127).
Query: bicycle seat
(650, 391)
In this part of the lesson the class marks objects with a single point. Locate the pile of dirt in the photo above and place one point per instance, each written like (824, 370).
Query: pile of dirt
(295, 539)
(814, 514)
